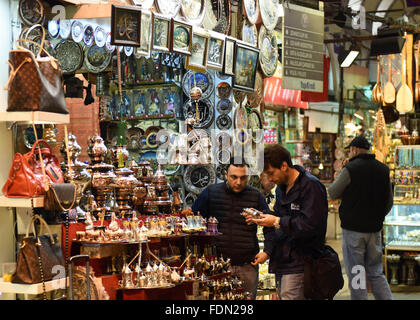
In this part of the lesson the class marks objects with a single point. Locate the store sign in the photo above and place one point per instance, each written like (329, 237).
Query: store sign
(275, 94)
(303, 48)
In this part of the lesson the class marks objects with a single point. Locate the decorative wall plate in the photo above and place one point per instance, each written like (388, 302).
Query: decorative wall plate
(249, 33)
(97, 59)
(224, 122)
(100, 36)
(88, 35)
(242, 137)
(151, 140)
(255, 124)
(65, 28)
(240, 118)
(269, 13)
(193, 10)
(110, 47)
(223, 156)
(252, 10)
(149, 156)
(256, 98)
(198, 177)
(202, 80)
(206, 113)
(217, 16)
(220, 172)
(53, 28)
(224, 90)
(168, 8)
(31, 12)
(145, 4)
(224, 106)
(224, 140)
(77, 31)
(70, 56)
(267, 43)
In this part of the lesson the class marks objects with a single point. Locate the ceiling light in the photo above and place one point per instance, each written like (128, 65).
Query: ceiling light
(359, 115)
(281, 11)
(347, 57)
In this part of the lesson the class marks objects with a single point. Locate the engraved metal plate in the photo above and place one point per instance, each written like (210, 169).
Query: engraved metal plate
(224, 106)
(267, 43)
(198, 177)
(31, 12)
(205, 110)
(70, 56)
(202, 80)
(97, 58)
(224, 122)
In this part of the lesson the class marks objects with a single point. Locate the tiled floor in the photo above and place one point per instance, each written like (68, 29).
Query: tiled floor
(344, 294)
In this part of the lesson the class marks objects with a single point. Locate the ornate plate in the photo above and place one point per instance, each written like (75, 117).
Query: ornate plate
(223, 156)
(269, 13)
(223, 140)
(145, 4)
(267, 42)
(240, 118)
(250, 33)
(151, 140)
(65, 29)
(193, 10)
(77, 31)
(206, 113)
(220, 171)
(128, 51)
(198, 177)
(252, 10)
(224, 106)
(242, 137)
(70, 56)
(224, 122)
(255, 124)
(88, 35)
(168, 8)
(53, 28)
(256, 98)
(217, 16)
(224, 90)
(31, 12)
(97, 59)
(203, 80)
(100, 36)
(110, 47)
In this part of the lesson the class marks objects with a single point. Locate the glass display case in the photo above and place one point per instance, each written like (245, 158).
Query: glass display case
(402, 227)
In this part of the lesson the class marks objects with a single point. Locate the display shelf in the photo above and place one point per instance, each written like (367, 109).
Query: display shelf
(403, 247)
(402, 223)
(21, 202)
(38, 117)
(404, 288)
(37, 288)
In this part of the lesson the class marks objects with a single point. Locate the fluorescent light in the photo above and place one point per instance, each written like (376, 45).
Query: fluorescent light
(349, 58)
(359, 114)
(281, 11)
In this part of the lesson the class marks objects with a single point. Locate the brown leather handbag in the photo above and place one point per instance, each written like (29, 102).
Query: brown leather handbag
(40, 258)
(26, 179)
(35, 83)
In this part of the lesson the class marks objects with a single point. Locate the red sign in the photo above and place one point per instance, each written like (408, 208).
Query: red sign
(274, 94)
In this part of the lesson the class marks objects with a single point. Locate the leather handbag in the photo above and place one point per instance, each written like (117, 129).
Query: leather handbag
(40, 258)
(35, 83)
(26, 178)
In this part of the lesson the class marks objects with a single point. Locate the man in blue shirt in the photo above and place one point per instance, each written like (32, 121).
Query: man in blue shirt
(298, 226)
(226, 201)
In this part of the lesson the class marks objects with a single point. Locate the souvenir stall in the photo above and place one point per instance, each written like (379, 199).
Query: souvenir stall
(172, 83)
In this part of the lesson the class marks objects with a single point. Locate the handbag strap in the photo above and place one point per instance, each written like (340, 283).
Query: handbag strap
(41, 46)
(42, 221)
(46, 181)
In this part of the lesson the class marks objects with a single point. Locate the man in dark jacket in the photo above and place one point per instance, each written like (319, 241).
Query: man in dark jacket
(226, 201)
(365, 189)
(299, 223)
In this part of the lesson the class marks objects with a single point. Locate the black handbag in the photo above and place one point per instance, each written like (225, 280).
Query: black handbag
(60, 196)
(323, 277)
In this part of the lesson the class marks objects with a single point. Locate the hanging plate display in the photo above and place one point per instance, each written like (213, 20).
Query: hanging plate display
(255, 124)
(256, 98)
(53, 28)
(224, 90)
(65, 28)
(205, 110)
(220, 171)
(267, 43)
(193, 10)
(88, 35)
(223, 140)
(250, 33)
(110, 47)
(69, 55)
(100, 36)
(224, 122)
(198, 177)
(145, 4)
(223, 156)
(202, 80)
(269, 13)
(97, 59)
(224, 106)
(240, 118)
(31, 12)
(252, 10)
(77, 31)
(168, 8)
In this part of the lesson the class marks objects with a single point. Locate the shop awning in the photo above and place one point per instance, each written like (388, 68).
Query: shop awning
(274, 94)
